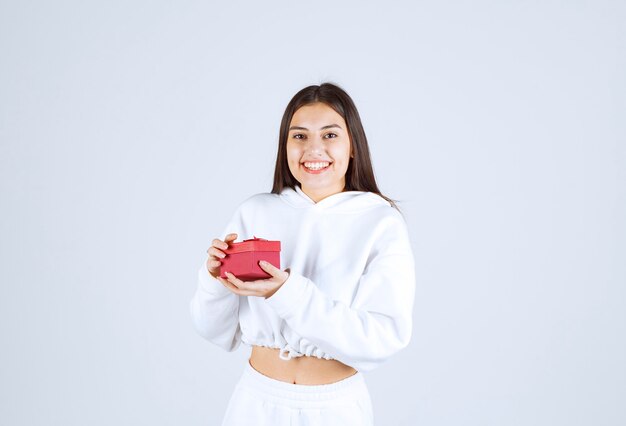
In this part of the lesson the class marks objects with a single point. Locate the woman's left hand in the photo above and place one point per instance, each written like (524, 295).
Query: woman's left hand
(261, 288)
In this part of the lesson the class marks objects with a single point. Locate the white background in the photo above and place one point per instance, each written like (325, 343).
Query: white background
(130, 130)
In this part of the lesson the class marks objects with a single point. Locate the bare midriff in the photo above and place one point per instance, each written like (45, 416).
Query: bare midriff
(304, 370)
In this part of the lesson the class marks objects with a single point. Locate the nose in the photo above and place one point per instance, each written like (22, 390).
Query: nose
(315, 147)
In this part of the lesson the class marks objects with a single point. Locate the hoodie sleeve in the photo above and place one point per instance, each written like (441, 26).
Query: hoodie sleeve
(378, 321)
(214, 308)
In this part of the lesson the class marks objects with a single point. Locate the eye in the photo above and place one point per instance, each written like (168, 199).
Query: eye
(295, 135)
(334, 135)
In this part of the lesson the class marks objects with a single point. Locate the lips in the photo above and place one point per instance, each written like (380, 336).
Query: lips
(316, 161)
(314, 171)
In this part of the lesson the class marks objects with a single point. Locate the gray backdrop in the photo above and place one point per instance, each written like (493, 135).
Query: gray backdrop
(130, 130)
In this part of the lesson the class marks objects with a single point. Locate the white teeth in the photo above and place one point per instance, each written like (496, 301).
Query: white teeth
(316, 166)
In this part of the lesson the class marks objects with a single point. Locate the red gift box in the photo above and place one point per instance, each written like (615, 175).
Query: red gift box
(242, 259)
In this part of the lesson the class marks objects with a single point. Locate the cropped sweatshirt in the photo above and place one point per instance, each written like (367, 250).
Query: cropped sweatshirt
(350, 291)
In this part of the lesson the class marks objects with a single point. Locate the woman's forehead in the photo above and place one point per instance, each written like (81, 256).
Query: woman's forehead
(315, 116)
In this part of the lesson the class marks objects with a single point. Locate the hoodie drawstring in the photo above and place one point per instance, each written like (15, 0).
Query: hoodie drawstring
(291, 353)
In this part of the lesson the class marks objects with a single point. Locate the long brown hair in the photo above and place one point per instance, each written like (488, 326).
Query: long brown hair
(360, 173)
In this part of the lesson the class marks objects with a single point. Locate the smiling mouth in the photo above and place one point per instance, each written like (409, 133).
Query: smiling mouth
(316, 165)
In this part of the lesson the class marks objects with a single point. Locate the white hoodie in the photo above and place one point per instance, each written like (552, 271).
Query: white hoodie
(351, 285)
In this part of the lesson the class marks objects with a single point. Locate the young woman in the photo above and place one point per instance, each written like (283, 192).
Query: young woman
(344, 303)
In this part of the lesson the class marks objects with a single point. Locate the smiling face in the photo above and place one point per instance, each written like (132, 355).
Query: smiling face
(318, 150)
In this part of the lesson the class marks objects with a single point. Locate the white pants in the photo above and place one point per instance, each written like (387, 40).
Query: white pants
(262, 401)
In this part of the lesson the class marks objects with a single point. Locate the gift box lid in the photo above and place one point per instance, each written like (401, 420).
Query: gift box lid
(253, 244)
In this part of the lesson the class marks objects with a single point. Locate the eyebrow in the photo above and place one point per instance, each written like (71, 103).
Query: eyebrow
(321, 128)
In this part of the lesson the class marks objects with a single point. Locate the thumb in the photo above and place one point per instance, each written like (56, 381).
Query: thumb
(273, 270)
(267, 266)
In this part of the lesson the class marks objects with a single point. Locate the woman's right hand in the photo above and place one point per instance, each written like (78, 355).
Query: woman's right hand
(215, 252)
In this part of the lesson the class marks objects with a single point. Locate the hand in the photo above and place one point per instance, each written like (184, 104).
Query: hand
(215, 252)
(261, 288)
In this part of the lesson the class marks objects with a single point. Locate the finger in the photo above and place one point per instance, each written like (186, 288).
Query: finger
(228, 285)
(219, 244)
(244, 290)
(215, 252)
(214, 264)
(231, 237)
(236, 281)
(276, 273)
(248, 287)
(269, 268)
(243, 287)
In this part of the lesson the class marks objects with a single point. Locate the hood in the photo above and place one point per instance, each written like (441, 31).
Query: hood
(342, 202)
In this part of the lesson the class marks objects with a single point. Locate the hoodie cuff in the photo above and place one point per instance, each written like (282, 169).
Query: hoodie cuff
(210, 285)
(294, 291)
